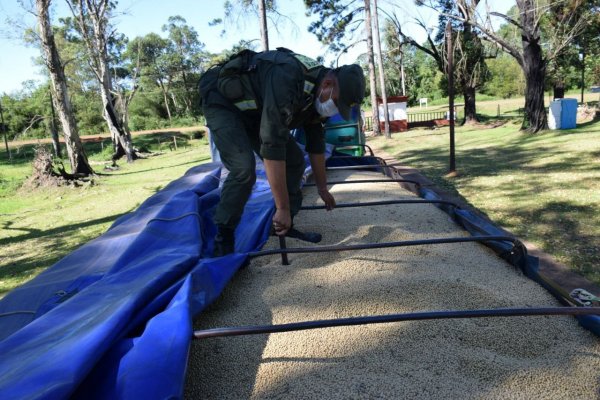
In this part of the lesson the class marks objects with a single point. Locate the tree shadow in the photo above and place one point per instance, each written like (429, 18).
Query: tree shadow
(117, 173)
(549, 220)
(52, 245)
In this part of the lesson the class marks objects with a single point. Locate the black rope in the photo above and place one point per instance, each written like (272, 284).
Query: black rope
(378, 319)
(9, 313)
(323, 249)
(383, 203)
(367, 181)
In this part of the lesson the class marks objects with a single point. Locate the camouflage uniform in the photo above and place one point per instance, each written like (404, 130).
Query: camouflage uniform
(250, 105)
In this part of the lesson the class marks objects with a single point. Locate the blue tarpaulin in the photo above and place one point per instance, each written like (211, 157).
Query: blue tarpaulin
(113, 319)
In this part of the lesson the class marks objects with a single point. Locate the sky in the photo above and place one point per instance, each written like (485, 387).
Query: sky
(140, 17)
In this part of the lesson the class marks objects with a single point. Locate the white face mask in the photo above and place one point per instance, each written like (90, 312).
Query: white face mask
(327, 108)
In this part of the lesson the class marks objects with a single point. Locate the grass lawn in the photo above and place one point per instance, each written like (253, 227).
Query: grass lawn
(38, 227)
(545, 188)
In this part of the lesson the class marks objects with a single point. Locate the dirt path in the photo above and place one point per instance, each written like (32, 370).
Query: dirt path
(493, 358)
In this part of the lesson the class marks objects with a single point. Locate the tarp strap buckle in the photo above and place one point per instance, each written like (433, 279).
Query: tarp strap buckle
(584, 296)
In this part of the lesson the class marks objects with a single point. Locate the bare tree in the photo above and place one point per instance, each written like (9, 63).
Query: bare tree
(92, 18)
(61, 101)
(384, 99)
(237, 11)
(395, 48)
(470, 68)
(371, 60)
(264, 32)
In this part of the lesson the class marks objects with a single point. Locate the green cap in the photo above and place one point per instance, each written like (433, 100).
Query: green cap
(351, 82)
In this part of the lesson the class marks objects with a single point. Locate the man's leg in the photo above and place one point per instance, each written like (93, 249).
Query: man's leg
(231, 139)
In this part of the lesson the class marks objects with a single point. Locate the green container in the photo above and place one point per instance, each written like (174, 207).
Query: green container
(347, 136)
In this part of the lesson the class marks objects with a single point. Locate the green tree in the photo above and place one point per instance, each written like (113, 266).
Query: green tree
(506, 78)
(565, 67)
(535, 49)
(588, 48)
(237, 11)
(189, 59)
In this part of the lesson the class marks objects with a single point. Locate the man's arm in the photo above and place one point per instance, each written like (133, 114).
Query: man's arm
(317, 162)
(282, 220)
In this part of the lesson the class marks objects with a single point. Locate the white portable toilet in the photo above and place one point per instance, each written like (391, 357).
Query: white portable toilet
(554, 114)
(562, 114)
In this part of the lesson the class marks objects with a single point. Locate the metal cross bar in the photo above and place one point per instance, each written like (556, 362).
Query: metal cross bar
(379, 319)
(364, 246)
(284, 257)
(367, 181)
(384, 203)
(364, 146)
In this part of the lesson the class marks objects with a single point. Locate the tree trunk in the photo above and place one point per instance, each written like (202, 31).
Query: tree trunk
(54, 131)
(582, 73)
(166, 99)
(3, 131)
(92, 22)
(186, 98)
(175, 103)
(264, 32)
(559, 90)
(402, 73)
(376, 128)
(470, 74)
(386, 114)
(470, 105)
(534, 67)
(121, 140)
(77, 156)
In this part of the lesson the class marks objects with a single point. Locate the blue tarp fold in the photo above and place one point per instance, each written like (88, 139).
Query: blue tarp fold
(113, 318)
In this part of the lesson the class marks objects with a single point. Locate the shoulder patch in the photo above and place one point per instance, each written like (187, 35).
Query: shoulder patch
(308, 62)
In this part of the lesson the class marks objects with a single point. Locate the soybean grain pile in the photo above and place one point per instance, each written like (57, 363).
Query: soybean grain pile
(491, 358)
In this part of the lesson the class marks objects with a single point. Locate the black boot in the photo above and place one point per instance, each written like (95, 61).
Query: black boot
(224, 242)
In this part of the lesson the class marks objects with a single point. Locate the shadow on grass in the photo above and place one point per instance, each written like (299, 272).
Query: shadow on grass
(17, 160)
(157, 168)
(558, 226)
(49, 233)
(559, 230)
(55, 244)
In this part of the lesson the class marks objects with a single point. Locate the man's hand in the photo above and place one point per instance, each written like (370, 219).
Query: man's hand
(282, 221)
(327, 198)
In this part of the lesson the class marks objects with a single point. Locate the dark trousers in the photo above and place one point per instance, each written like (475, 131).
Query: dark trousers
(236, 136)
